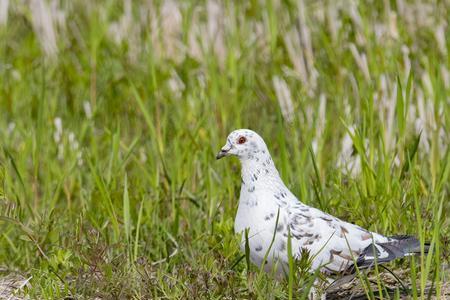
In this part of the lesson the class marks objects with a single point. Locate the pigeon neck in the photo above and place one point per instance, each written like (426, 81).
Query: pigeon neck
(259, 168)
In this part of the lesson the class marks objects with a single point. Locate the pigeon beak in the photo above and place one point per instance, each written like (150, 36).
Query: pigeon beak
(223, 152)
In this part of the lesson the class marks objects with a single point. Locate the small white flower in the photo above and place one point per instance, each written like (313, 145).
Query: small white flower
(314, 146)
(11, 127)
(80, 158)
(58, 125)
(57, 135)
(71, 137)
(15, 74)
(87, 109)
(73, 141)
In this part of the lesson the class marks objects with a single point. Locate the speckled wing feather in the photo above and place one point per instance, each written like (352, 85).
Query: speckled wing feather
(335, 243)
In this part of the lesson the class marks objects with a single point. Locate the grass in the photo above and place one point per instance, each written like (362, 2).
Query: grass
(111, 115)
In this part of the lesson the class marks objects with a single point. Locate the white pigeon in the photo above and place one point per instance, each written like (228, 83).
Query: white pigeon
(333, 244)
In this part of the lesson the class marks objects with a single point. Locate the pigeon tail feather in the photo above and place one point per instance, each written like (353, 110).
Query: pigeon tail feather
(397, 247)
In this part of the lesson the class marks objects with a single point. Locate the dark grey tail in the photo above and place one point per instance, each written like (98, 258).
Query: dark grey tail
(397, 247)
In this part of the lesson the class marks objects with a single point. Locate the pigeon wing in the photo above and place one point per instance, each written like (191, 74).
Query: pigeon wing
(333, 244)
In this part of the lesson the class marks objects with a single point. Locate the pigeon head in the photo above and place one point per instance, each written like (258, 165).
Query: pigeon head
(243, 143)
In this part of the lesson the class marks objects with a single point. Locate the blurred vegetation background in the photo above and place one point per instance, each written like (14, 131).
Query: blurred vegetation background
(111, 113)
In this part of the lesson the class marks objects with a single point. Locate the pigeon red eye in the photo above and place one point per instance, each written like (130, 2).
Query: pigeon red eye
(242, 140)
